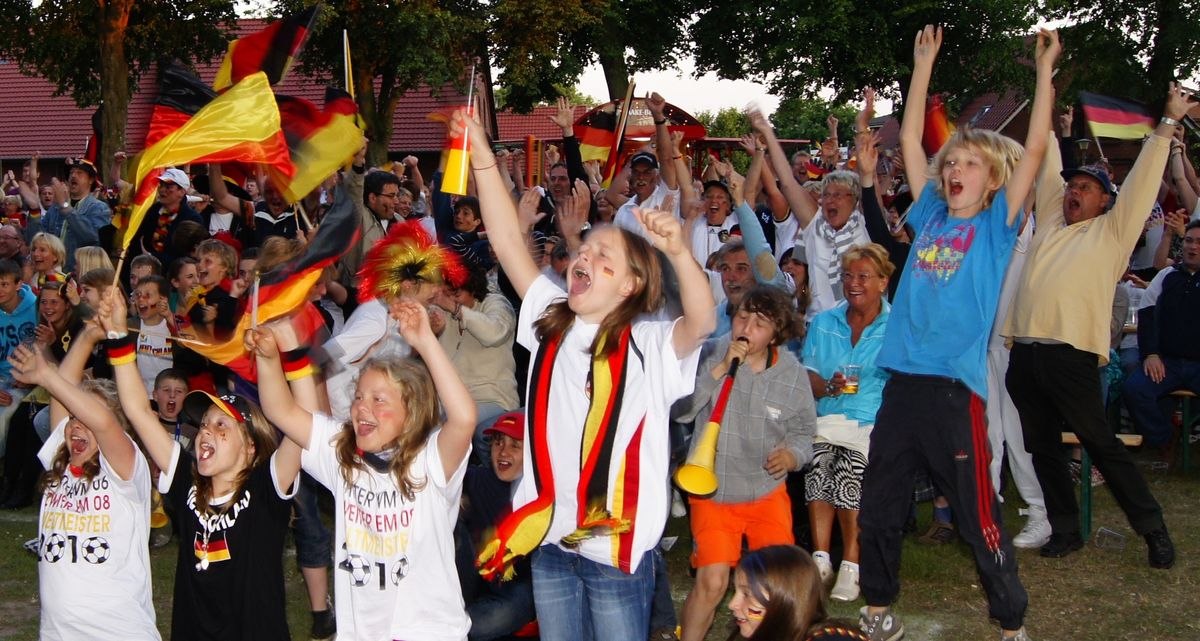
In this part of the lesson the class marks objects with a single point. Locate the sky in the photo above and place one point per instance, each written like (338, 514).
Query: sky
(706, 93)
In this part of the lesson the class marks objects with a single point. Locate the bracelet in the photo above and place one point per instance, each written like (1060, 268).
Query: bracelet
(483, 168)
(829, 388)
(121, 351)
(660, 122)
(297, 364)
(1169, 121)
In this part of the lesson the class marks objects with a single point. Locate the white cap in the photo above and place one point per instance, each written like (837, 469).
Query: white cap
(177, 176)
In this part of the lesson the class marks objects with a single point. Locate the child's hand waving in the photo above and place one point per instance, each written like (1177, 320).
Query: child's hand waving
(926, 46)
(28, 365)
(1048, 48)
(413, 319)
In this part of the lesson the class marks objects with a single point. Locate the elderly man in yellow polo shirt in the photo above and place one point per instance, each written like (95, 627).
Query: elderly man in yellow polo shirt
(1058, 326)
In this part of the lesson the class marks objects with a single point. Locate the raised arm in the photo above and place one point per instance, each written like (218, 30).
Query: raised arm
(219, 192)
(496, 208)
(455, 440)
(132, 391)
(804, 207)
(1023, 177)
(281, 408)
(30, 367)
(1178, 164)
(925, 49)
(662, 140)
(754, 174)
(698, 321)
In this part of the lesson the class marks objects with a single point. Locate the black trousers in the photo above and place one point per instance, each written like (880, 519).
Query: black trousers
(939, 424)
(1056, 386)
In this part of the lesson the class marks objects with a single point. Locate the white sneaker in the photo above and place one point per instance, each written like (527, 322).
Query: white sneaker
(825, 568)
(846, 588)
(1036, 532)
(678, 509)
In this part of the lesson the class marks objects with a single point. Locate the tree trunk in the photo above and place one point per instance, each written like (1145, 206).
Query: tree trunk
(616, 74)
(114, 81)
(1171, 28)
(378, 122)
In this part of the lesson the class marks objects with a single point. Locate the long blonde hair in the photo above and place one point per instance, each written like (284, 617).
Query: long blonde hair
(422, 411)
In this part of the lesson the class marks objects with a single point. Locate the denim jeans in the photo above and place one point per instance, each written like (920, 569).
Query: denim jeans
(581, 600)
(1143, 397)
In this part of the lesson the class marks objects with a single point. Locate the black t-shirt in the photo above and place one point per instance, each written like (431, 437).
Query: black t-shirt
(241, 593)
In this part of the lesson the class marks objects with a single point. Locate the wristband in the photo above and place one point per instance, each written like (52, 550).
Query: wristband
(297, 364)
(660, 122)
(122, 350)
(1169, 121)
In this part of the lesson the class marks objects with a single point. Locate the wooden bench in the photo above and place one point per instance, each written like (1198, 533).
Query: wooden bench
(1085, 477)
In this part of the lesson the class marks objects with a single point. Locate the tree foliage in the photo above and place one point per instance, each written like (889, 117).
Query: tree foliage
(96, 51)
(805, 118)
(800, 47)
(395, 46)
(570, 92)
(544, 44)
(1129, 49)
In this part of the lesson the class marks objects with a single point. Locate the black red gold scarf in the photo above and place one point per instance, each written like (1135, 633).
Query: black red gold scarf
(522, 531)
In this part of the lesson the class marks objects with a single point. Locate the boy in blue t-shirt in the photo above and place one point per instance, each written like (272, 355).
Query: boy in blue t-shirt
(18, 319)
(964, 222)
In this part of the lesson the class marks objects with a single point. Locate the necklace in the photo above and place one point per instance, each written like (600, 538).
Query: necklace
(205, 533)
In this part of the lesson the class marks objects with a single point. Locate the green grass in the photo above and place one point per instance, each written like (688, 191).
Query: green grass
(1093, 594)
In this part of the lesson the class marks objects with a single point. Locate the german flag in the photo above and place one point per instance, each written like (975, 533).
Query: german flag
(239, 125)
(596, 133)
(938, 128)
(319, 141)
(284, 289)
(270, 51)
(1116, 118)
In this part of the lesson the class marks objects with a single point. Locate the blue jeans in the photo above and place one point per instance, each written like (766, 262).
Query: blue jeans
(581, 600)
(1142, 397)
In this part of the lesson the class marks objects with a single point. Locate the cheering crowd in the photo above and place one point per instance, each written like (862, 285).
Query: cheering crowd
(839, 337)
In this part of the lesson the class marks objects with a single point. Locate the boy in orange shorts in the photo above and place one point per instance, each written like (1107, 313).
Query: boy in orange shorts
(766, 431)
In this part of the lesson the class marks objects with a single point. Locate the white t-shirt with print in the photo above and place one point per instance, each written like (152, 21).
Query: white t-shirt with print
(153, 352)
(94, 563)
(394, 574)
(651, 387)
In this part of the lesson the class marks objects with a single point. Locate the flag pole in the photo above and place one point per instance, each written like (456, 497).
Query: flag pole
(1099, 148)
(254, 305)
(614, 152)
(346, 58)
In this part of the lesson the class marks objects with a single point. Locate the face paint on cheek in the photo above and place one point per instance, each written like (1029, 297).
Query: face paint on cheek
(755, 614)
(607, 271)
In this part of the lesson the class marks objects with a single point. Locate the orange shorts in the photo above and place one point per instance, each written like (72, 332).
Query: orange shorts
(718, 528)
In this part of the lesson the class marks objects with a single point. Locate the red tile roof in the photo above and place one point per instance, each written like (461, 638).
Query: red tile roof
(515, 126)
(32, 119)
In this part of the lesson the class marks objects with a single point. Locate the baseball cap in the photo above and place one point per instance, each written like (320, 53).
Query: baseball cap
(84, 165)
(718, 184)
(196, 404)
(176, 176)
(644, 156)
(511, 425)
(1095, 173)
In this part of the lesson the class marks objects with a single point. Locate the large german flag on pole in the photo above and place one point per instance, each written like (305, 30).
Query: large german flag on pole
(319, 141)
(286, 288)
(270, 51)
(240, 125)
(1116, 118)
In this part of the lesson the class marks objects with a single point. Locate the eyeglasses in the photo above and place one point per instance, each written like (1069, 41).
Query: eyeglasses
(856, 278)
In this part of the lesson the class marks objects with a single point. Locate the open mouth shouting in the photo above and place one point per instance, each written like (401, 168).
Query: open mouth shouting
(581, 280)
